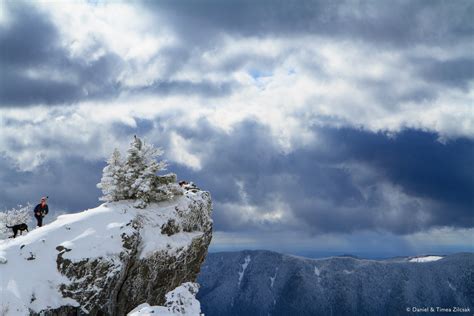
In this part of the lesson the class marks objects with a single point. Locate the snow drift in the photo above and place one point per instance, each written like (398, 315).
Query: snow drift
(181, 301)
(106, 260)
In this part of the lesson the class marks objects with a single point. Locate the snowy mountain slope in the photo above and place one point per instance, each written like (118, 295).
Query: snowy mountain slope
(269, 283)
(106, 260)
(425, 259)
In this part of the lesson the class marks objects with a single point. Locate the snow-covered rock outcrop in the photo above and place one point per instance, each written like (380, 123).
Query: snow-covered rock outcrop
(107, 260)
(181, 301)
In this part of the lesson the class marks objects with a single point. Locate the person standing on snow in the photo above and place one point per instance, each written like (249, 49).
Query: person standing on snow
(41, 210)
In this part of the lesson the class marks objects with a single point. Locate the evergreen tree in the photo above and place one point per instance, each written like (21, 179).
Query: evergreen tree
(133, 167)
(136, 178)
(141, 168)
(144, 184)
(113, 178)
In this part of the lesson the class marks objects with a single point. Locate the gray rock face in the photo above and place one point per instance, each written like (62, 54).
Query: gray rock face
(268, 283)
(148, 280)
(116, 285)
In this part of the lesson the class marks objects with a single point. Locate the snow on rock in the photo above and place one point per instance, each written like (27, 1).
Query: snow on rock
(317, 272)
(180, 301)
(107, 259)
(425, 259)
(244, 267)
(451, 286)
(272, 279)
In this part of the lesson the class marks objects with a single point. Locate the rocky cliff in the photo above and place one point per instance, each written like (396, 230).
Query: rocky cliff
(107, 260)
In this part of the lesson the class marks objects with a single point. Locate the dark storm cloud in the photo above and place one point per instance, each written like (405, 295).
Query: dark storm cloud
(318, 185)
(386, 26)
(36, 69)
(420, 164)
(28, 39)
(454, 72)
(69, 182)
(322, 189)
(18, 89)
(204, 87)
(397, 23)
(391, 99)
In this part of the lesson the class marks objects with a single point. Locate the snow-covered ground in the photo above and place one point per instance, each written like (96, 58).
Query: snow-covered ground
(29, 277)
(425, 259)
(180, 301)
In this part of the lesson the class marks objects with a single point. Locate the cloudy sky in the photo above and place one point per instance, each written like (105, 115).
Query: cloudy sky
(319, 127)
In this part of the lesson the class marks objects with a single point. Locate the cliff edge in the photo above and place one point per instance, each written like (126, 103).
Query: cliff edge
(107, 260)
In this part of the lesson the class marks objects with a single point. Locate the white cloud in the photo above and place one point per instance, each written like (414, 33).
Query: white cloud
(180, 152)
(307, 80)
(116, 26)
(441, 239)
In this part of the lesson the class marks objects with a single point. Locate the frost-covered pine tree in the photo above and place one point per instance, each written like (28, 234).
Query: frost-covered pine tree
(136, 177)
(146, 183)
(14, 216)
(133, 167)
(113, 179)
(141, 168)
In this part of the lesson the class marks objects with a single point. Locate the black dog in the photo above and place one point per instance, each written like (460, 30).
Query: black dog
(20, 227)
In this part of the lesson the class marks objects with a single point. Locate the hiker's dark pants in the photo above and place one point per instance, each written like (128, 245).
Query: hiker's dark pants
(39, 218)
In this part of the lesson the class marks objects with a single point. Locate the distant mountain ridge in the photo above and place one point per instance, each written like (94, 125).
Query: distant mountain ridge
(268, 283)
